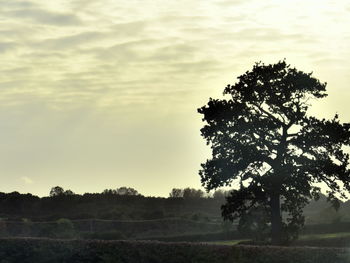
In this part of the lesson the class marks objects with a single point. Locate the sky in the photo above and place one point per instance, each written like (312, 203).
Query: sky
(104, 94)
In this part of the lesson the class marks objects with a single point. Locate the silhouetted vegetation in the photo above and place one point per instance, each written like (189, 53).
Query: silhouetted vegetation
(109, 215)
(262, 136)
(120, 204)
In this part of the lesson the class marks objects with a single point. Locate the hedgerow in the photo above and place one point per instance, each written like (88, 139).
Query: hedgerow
(79, 251)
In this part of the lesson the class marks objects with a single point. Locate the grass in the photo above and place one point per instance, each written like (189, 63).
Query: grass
(340, 239)
(325, 236)
(226, 242)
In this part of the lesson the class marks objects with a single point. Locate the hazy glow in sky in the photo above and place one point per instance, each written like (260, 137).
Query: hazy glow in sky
(102, 94)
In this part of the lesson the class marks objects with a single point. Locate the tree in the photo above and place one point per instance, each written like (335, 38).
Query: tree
(186, 193)
(121, 191)
(262, 137)
(59, 191)
(126, 191)
(69, 192)
(56, 191)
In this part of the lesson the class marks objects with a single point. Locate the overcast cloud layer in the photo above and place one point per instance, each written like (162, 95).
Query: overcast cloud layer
(101, 94)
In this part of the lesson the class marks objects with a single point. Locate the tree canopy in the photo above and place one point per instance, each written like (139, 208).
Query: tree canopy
(59, 191)
(186, 193)
(121, 191)
(263, 138)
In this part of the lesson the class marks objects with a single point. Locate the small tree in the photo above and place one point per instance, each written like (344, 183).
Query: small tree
(262, 137)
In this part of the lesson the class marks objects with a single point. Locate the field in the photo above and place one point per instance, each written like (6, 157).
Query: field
(316, 248)
(145, 229)
(331, 240)
(50, 250)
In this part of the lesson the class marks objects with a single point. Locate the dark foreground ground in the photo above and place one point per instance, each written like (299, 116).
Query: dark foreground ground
(50, 250)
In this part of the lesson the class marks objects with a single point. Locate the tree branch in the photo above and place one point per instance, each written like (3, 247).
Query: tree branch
(269, 114)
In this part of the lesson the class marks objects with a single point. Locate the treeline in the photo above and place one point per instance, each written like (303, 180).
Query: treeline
(126, 203)
(175, 192)
(122, 203)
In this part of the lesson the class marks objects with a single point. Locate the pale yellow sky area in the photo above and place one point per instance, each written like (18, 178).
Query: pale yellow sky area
(103, 94)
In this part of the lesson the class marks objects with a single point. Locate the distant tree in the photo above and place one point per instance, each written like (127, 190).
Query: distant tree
(56, 191)
(262, 137)
(69, 192)
(109, 192)
(59, 191)
(192, 193)
(121, 191)
(176, 193)
(126, 191)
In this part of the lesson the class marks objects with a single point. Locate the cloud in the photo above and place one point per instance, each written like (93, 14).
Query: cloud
(26, 180)
(129, 29)
(6, 46)
(16, 4)
(119, 32)
(47, 17)
(229, 3)
(70, 41)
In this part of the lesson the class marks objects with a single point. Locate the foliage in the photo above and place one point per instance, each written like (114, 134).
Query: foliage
(262, 137)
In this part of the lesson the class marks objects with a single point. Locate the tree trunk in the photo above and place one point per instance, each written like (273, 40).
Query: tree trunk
(276, 220)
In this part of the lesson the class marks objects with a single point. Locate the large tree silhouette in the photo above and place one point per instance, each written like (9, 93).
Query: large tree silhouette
(263, 138)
